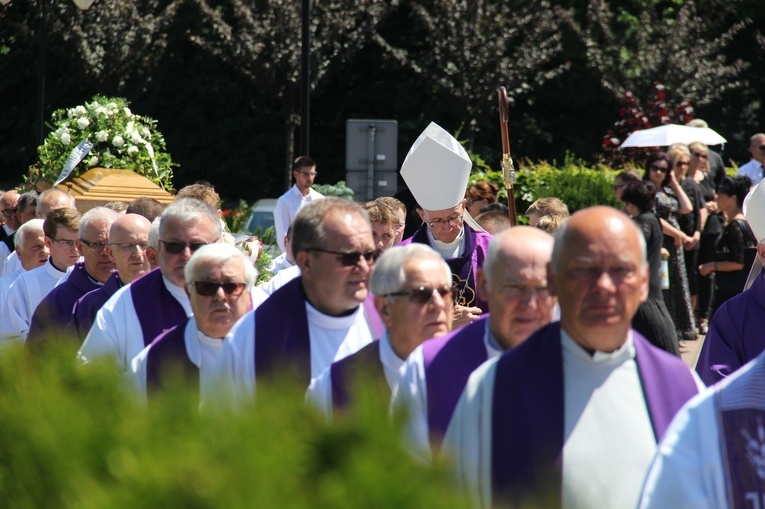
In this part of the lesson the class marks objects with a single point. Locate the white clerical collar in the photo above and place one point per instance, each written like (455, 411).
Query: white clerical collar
(180, 295)
(52, 270)
(571, 347)
(8, 229)
(331, 322)
(449, 249)
(493, 347)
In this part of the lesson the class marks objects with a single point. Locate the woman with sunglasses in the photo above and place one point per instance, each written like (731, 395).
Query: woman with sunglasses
(731, 266)
(711, 227)
(672, 200)
(652, 318)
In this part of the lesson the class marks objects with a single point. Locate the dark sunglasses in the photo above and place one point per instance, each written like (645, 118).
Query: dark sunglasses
(659, 169)
(179, 247)
(350, 259)
(699, 155)
(209, 288)
(423, 294)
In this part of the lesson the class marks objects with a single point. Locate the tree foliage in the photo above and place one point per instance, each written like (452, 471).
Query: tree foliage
(472, 48)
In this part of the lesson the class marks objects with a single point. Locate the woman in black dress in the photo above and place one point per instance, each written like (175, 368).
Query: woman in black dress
(728, 266)
(652, 319)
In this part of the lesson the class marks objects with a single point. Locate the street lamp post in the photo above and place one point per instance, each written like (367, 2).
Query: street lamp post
(305, 80)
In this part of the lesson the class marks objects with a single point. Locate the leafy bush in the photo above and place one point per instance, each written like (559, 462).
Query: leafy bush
(121, 139)
(340, 190)
(74, 438)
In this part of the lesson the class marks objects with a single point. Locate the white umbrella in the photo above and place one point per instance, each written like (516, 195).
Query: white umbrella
(666, 135)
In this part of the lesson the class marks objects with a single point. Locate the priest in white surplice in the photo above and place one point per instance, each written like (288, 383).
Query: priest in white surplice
(26, 292)
(412, 286)
(320, 317)
(571, 417)
(139, 312)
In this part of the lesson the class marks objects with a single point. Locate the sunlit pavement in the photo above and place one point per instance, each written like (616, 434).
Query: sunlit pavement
(690, 353)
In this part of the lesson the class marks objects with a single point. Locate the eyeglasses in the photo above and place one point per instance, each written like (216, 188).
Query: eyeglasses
(350, 259)
(128, 247)
(66, 243)
(699, 155)
(210, 288)
(179, 247)
(455, 220)
(659, 169)
(423, 294)
(8, 212)
(95, 246)
(762, 147)
(308, 173)
(618, 186)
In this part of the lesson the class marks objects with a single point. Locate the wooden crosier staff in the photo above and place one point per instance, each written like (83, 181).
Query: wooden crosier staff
(508, 170)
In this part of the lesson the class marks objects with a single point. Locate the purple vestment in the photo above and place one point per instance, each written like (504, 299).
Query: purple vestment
(85, 309)
(735, 334)
(55, 310)
(528, 420)
(465, 267)
(448, 361)
(167, 355)
(281, 332)
(342, 372)
(155, 306)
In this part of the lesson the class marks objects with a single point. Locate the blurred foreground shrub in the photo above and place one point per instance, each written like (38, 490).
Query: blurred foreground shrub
(74, 437)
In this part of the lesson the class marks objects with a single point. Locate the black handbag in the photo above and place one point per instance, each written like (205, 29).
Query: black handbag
(733, 282)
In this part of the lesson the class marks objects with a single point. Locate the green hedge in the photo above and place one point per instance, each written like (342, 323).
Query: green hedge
(73, 437)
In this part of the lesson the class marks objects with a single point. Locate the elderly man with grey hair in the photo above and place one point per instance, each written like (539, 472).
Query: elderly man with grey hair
(32, 252)
(412, 286)
(571, 417)
(139, 312)
(219, 278)
(320, 317)
(55, 310)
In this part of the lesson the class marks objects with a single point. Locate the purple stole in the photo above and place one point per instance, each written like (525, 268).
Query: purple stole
(348, 369)
(463, 267)
(528, 420)
(735, 334)
(55, 310)
(85, 309)
(166, 356)
(282, 342)
(155, 306)
(448, 361)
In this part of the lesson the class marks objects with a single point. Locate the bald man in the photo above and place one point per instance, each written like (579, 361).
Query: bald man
(571, 417)
(127, 249)
(513, 280)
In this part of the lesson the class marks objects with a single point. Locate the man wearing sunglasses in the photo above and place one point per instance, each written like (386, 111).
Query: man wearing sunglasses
(513, 280)
(219, 278)
(571, 417)
(753, 169)
(55, 310)
(437, 170)
(127, 249)
(300, 194)
(320, 317)
(139, 312)
(30, 288)
(412, 286)
(9, 209)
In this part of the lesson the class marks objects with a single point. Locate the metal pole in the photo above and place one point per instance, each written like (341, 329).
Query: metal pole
(371, 130)
(305, 95)
(43, 41)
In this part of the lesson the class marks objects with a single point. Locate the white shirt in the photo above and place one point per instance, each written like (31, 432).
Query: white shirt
(4, 253)
(279, 263)
(280, 279)
(412, 394)
(320, 390)
(689, 470)
(24, 295)
(203, 352)
(331, 339)
(287, 207)
(116, 330)
(753, 170)
(608, 440)
(11, 264)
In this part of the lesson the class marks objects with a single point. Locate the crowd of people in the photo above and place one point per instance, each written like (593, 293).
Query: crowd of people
(542, 360)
